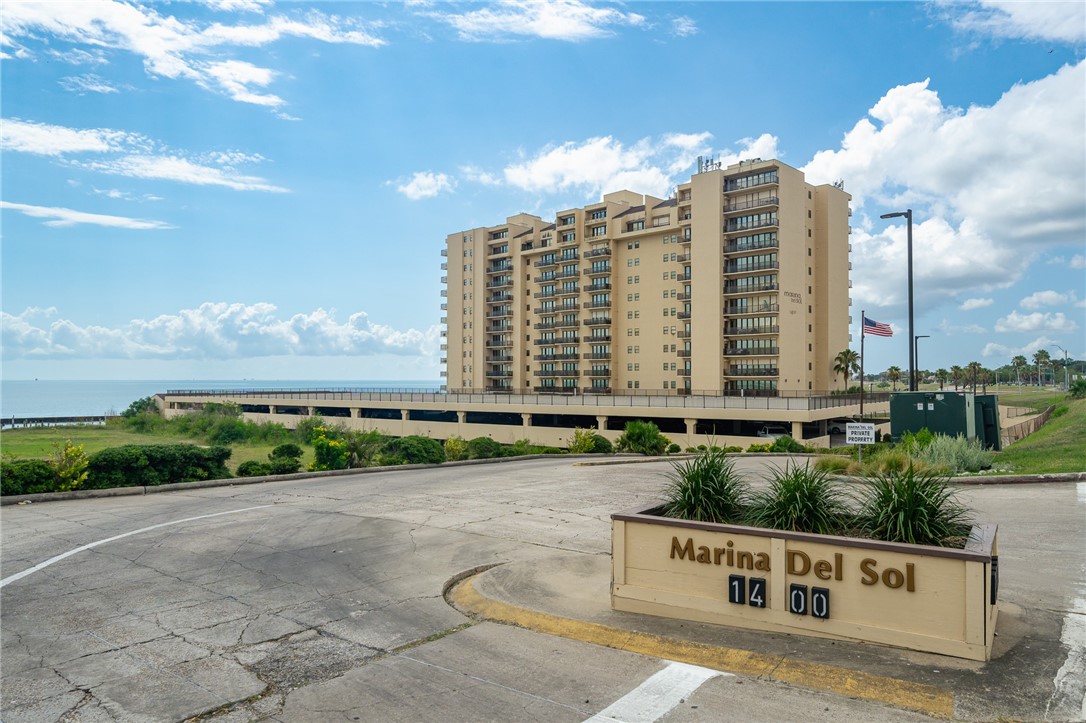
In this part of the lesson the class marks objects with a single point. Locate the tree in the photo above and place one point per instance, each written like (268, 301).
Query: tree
(974, 372)
(846, 363)
(894, 375)
(1018, 362)
(1041, 359)
(957, 374)
(941, 375)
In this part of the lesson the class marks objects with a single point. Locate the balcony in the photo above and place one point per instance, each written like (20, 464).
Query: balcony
(499, 328)
(544, 295)
(500, 283)
(444, 360)
(445, 292)
(444, 347)
(685, 296)
(556, 309)
(568, 255)
(683, 371)
(598, 285)
(444, 265)
(596, 253)
(737, 310)
(544, 263)
(734, 248)
(733, 288)
(556, 357)
(763, 351)
(499, 313)
(570, 291)
(682, 258)
(552, 389)
(684, 353)
(499, 268)
(567, 274)
(683, 334)
(597, 321)
(598, 372)
(444, 307)
(732, 227)
(498, 374)
(500, 388)
(597, 304)
(444, 320)
(551, 373)
(543, 325)
(752, 372)
(597, 339)
(598, 356)
(734, 268)
(597, 270)
(546, 341)
(596, 390)
(742, 184)
(544, 278)
(445, 253)
(499, 297)
(755, 203)
(683, 277)
(499, 343)
(746, 330)
(684, 315)
(499, 358)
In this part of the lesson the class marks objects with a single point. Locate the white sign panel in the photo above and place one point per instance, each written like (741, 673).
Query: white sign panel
(859, 433)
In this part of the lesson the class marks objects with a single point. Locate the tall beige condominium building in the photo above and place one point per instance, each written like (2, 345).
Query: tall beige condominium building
(737, 284)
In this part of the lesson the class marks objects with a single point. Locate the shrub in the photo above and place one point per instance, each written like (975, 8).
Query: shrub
(283, 465)
(956, 454)
(253, 468)
(455, 448)
(1059, 411)
(785, 443)
(361, 449)
(413, 450)
(642, 438)
(833, 465)
(800, 499)
(27, 476)
(309, 428)
(155, 464)
(914, 506)
(673, 448)
(582, 441)
(70, 462)
(141, 406)
(759, 447)
(1078, 389)
(328, 452)
(705, 488)
(601, 445)
(484, 448)
(288, 450)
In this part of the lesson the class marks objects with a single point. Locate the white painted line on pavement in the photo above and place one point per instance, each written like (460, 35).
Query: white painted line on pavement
(69, 553)
(655, 698)
(1069, 685)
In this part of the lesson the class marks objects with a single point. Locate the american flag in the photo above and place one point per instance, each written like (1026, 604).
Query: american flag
(874, 328)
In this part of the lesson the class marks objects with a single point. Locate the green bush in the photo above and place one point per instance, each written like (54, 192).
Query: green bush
(582, 441)
(253, 468)
(362, 448)
(800, 499)
(705, 488)
(785, 443)
(1059, 411)
(156, 464)
(283, 465)
(413, 450)
(601, 445)
(484, 448)
(328, 452)
(27, 476)
(759, 447)
(456, 448)
(642, 438)
(833, 464)
(955, 454)
(288, 450)
(70, 462)
(141, 406)
(673, 448)
(913, 506)
(1078, 389)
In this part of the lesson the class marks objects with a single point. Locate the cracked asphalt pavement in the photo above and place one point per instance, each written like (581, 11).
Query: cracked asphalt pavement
(322, 599)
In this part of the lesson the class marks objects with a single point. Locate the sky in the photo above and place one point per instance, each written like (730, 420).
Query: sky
(241, 189)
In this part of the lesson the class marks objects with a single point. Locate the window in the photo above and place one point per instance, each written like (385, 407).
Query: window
(569, 236)
(674, 257)
(629, 314)
(637, 296)
(637, 331)
(567, 220)
(665, 363)
(629, 262)
(637, 261)
(629, 279)
(629, 297)
(665, 290)
(598, 214)
(635, 225)
(637, 279)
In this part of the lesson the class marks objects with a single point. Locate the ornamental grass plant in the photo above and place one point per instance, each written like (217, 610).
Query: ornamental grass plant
(801, 499)
(705, 488)
(917, 506)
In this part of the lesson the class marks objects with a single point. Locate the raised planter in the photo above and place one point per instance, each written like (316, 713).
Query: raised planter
(934, 599)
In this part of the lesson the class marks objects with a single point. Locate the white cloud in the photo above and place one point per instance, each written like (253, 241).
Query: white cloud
(963, 172)
(179, 169)
(179, 49)
(683, 27)
(1050, 21)
(88, 83)
(605, 164)
(1047, 298)
(50, 140)
(76, 56)
(69, 217)
(211, 331)
(252, 6)
(1078, 261)
(1036, 321)
(948, 328)
(970, 304)
(477, 175)
(569, 20)
(1002, 351)
(426, 184)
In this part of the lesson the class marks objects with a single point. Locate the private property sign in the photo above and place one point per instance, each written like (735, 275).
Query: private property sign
(859, 433)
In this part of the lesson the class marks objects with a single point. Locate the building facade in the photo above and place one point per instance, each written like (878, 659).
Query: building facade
(737, 285)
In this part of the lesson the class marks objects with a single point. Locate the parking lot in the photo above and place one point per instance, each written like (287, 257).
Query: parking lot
(324, 599)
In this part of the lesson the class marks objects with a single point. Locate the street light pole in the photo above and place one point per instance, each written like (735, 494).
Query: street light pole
(908, 214)
(916, 352)
(1066, 380)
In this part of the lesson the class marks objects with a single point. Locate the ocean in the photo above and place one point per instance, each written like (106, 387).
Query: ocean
(47, 398)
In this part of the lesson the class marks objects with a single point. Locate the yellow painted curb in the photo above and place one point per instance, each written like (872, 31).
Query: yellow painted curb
(927, 699)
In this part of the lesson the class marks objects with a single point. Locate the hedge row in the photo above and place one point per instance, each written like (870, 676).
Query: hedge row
(127, 466)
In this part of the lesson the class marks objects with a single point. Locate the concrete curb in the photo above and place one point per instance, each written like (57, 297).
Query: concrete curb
(461, 593)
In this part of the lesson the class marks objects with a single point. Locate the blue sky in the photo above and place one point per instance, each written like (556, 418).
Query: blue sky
(242, 189)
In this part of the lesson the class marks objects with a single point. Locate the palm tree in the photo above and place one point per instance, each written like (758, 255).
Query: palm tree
(894, 375)
(1041, 358)
(957, 374)
(846, 364)
(941, 375)
(974, 372)
(1018, 362)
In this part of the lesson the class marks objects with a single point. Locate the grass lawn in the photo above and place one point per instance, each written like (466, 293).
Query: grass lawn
(1058, 446)
(38, 442)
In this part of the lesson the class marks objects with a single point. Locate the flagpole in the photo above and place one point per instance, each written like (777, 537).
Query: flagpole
(863, 317)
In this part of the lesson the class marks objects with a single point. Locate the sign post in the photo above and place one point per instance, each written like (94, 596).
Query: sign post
(860, 433)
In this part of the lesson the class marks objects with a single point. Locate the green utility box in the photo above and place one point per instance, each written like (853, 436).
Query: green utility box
(974, 416)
